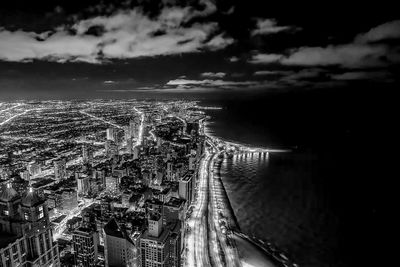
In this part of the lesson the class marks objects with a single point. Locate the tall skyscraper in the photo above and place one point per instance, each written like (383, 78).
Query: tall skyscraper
(111, 134)
(121, 249)
(87, 154)
(60, 171)
(155, 244)
(186, 187)
(25, 230)
(82, 184)
(85, 241)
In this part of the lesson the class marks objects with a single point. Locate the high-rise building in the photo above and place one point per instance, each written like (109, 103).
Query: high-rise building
(174, 210)
(34, 168)
(60, 171)
(128, 139)
(87, 154)
(85, 241)
(83, 184)
(110, 132)
(186, 187)
(25, 230)
(111, 148)
(176, 244)
(121, 249)
(155, 243)
(133, 127)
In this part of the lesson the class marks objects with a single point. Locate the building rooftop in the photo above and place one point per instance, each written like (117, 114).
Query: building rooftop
(31, 198)
(160, 238)
(8, 193)
(175, 202)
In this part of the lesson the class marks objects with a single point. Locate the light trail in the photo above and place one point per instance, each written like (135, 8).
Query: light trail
(10, 108)
(16, 116)
(196, 238)
(140, 131)
(100, 119)
(61, 227)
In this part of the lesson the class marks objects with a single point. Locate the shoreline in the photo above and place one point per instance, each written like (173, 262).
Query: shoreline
(278, 257)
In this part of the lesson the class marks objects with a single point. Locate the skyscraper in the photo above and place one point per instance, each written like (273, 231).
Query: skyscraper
(25, 230)
(85, 241)
(155, 244)
(111, 134)
(60, 171)
(87, 154)
(120, 249)
(186, 187)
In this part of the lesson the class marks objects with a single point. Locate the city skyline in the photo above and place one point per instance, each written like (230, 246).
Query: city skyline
(196, 133)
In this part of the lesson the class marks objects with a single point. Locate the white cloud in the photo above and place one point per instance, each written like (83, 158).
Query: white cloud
(360, 75)
(389, 30)
(213, 74)
(348, 55)
(208, 82)
(269, 26)
(109, 82)
(126, 34)
(265, 58)
(358, 54)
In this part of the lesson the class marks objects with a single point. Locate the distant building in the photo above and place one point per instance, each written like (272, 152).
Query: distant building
(83, 184)
(111, 148)
(111, 134)
(34, 168)
(85, 241)
(112, 183)
(60, 171)
(87, 154)
(120, 249)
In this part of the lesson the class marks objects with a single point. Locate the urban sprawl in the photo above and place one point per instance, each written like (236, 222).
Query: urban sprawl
(116, 183)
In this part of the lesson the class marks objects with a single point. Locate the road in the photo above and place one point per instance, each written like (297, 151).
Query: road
(206, 243)
(196, 239)
(140, 130)
(62, 226)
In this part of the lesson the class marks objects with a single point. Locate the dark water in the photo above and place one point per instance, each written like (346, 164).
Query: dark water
(322, 203)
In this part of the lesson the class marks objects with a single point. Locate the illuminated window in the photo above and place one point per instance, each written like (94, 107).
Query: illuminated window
(41, 214)
(6, 212)
(26, 216)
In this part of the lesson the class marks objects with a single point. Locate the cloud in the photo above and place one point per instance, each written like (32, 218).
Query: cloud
(389, 30)
(109, 82)
(208, 82)
(348, 55)
(357, 54)
(213, 74)
(269, 26)
(266, 72)
(122, 35)
(361, 75)
(233, 59)
(265, 58)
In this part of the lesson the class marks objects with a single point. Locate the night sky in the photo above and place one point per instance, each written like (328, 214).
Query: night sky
(103, 49)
